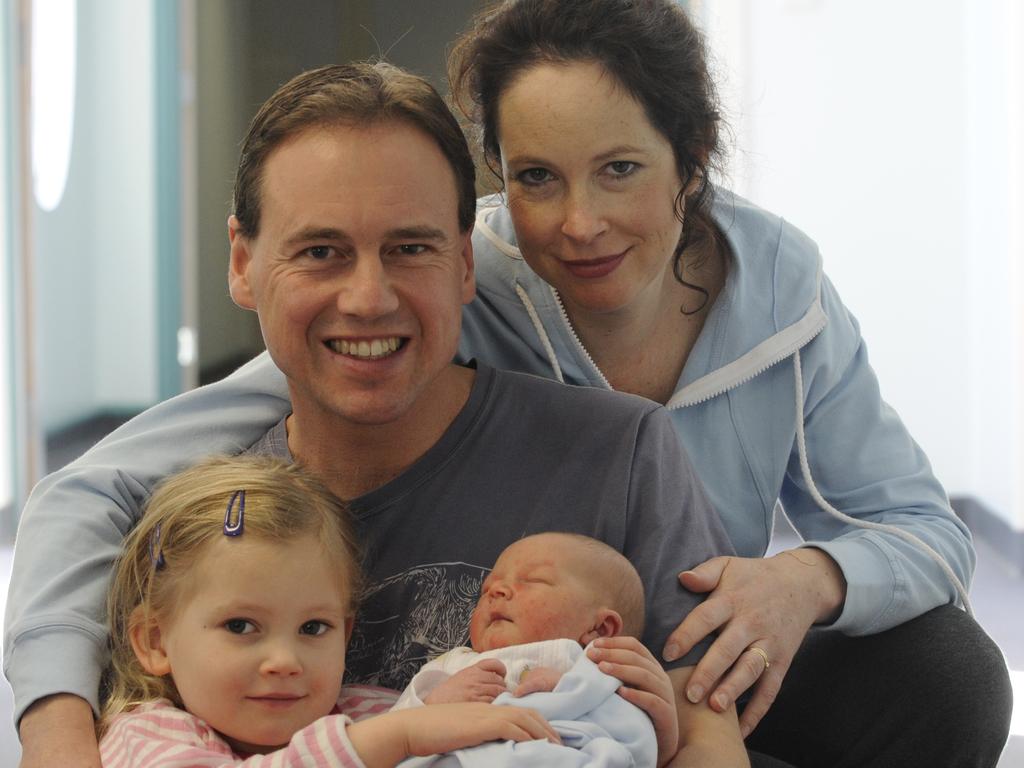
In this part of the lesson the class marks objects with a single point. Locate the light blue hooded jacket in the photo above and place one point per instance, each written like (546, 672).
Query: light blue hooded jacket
(737, 414)
(735, 409)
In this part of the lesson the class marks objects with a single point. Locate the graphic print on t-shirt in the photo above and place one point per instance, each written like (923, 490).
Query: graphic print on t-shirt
(407, 619)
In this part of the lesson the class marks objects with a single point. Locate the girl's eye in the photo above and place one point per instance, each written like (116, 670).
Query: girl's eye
(314, 628)
(239, 626)
(534, 176)
(621, 167)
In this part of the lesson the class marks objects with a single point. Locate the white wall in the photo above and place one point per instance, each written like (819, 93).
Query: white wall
(125, 204)
(864, 124)
(995, 134)
(95, 310)
(6, 427)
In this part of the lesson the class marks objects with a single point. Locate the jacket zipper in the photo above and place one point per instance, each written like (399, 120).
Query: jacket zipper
(781, 355)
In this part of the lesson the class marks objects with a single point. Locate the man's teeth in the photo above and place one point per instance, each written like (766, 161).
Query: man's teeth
(366, 349)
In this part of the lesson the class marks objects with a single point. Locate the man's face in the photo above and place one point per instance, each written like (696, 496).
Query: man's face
(359, 270)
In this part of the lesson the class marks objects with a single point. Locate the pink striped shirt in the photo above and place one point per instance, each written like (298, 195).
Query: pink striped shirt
(159, 735)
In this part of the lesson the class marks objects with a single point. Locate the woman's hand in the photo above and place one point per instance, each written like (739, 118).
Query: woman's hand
(645, 684)
(384, 740)
(482, 682)
(755, 603)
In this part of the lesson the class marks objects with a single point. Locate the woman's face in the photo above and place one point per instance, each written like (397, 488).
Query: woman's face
(591, 186)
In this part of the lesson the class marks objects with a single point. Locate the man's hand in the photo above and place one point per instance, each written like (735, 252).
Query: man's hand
(755, 603)
(59, 730)
(483, 682)
(645, 684)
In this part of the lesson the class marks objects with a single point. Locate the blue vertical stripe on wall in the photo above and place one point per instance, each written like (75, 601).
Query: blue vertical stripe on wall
(168, 197)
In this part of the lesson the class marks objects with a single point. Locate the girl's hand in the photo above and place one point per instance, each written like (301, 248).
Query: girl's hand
(447, 727)
(482, 683)
(645, 684)
(755, 603)
(385, 740)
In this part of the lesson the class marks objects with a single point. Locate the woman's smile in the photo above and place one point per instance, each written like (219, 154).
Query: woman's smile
(591, 269)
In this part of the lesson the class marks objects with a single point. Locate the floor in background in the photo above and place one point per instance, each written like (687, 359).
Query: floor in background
(997, 594)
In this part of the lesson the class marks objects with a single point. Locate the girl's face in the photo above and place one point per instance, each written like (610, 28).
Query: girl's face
(257, 647)
(591, 186)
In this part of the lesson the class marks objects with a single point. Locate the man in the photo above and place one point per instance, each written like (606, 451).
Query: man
(354, 206)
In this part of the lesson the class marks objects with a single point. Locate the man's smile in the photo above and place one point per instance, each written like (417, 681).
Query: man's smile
(367, 349)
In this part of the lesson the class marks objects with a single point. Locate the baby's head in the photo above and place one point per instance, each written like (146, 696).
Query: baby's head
(557, 585)
(233, 598)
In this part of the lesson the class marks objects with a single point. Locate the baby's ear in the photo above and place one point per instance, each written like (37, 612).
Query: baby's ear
(607, 623)
(147, 642)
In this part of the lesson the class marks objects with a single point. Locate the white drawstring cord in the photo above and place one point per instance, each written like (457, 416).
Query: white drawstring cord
(823, 504)
(541, 333)
(801, 449)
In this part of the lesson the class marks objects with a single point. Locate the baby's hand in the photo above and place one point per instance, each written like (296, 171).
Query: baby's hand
(483, 682)
(539, 679)
(645, 684)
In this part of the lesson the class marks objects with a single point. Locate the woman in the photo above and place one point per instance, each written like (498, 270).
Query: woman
(612, 261)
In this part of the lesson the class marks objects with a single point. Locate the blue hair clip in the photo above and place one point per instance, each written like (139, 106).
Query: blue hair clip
(155, 553)
(234, 517)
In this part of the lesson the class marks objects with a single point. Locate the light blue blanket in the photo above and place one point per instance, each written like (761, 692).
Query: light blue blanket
(599, 729)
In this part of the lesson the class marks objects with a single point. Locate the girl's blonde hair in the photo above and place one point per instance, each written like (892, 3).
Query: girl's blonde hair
(184, 515)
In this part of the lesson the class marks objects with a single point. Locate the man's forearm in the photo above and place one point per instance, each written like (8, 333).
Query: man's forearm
(59, 730)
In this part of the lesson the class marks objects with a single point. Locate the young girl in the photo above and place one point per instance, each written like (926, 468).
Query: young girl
(230, 609)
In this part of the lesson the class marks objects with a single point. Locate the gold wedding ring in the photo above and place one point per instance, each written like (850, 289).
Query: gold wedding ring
(763, 654)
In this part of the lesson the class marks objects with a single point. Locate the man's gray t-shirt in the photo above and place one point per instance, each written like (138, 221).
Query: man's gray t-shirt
(525, 455)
